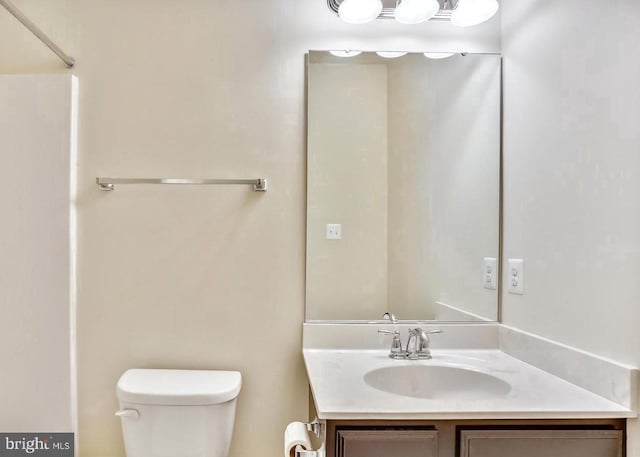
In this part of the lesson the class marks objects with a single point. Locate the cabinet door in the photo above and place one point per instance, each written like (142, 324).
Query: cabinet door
(541, 443)
(386, 443)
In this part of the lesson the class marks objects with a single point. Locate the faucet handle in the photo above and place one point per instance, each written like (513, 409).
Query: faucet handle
(425, 336)
(396, 351)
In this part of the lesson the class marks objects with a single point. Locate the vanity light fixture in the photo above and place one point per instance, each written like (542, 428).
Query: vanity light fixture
(415, 11)
(473, 12)
(463, 13)
(390, 54)
(345, 53)
(359, 11)
(438, 55)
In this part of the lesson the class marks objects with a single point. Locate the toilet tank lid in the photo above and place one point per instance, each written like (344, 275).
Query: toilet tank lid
(178, 387)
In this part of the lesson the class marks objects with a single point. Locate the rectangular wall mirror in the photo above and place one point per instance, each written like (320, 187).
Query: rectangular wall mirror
(403, 187)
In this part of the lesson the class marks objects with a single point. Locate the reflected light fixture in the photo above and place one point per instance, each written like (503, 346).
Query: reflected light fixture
(345, 53)
(438, 55)
(473, 12)
(390, 54)
(359, 11)
(415, 11)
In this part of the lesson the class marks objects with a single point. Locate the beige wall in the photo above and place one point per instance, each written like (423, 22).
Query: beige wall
(572, 173)
(347, 184)
(38, 117)
(214, 277)
(444, 162)
(200, 277)
(413, 283)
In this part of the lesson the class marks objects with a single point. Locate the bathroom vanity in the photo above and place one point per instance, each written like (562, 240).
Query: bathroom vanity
(476, 438)
(473, 398)
(403, 217)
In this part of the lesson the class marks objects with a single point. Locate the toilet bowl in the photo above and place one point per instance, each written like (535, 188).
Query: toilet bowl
(177, 413)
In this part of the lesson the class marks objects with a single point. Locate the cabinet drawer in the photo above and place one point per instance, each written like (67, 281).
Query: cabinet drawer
(541, 443)
(385, 443)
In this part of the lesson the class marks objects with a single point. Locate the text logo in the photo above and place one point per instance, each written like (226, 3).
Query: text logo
(36, 444)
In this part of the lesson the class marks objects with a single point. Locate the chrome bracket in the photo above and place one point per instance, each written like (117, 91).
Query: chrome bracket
(446, 7)
(315, 427)
(105, 187)
(261, 186)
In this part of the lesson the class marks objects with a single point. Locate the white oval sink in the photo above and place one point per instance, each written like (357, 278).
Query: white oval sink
(437, 381)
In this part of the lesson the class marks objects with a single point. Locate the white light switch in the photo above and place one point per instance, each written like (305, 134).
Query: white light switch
(490, 273)
(334, 231)
(515, 279)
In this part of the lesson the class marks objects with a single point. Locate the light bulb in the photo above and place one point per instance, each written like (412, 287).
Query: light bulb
(473, 12)
(345, 53)
(438, 55)
(415, 11)
(390, 54)
(359, 11)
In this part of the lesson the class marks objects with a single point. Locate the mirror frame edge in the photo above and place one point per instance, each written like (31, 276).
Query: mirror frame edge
(499, 286)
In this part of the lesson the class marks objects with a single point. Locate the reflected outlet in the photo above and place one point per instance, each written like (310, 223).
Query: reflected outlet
(334, 231)
(490, 273)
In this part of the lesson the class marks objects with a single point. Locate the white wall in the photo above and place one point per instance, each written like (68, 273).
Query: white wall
(202, 277)
(572, 173)
(37, 246)
(347, 184)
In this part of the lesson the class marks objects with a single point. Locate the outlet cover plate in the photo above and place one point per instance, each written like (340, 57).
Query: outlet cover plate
(490, 273)
(515, 276)
(334, 231)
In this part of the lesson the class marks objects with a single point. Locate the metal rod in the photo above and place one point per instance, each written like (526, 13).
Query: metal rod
(259, 185)
(301, 452)
(68, 60)
(389, 13)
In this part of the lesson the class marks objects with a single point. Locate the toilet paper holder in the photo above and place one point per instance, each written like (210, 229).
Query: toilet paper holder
(314, 427)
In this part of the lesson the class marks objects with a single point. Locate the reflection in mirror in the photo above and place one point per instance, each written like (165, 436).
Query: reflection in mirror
(403, 191)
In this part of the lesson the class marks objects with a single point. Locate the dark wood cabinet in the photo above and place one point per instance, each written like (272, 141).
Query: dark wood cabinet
(477, 438)
(541, 443)
(385, 443)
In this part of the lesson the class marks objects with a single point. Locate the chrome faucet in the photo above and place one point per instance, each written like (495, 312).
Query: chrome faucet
(418, 344)
(390, 317)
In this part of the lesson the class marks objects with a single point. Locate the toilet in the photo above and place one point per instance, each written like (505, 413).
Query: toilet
(177, 413)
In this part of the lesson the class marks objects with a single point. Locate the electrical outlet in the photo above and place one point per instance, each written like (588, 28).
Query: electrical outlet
(334, 231)
(490, 273)
(515, 279)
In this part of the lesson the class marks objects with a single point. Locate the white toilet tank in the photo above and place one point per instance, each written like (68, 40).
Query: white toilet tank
(178, 413)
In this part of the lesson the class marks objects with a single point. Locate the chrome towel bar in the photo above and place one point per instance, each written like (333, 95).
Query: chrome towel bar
(107, 184)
